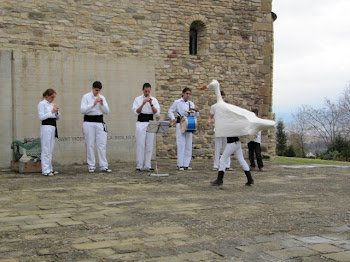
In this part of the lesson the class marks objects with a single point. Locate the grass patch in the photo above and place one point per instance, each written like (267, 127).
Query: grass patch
(308, 161)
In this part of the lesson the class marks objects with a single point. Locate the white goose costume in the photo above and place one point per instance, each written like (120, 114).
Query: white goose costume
(231, 120)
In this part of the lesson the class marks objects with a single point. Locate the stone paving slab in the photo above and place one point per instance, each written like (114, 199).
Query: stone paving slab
(289, 214)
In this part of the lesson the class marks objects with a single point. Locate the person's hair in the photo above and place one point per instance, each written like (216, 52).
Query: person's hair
(222, 93)
(186, 89)
(255, 111)
(145, 85)
(49, 92)
(97, 84)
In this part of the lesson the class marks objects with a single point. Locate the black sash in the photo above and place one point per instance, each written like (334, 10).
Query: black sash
(233, 139)
(144, 117)
(94, 118)
(50, 122)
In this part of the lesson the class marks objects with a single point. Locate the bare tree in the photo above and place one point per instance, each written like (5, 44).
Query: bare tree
(328, 124)
(344, 106)
(299, 131)
(326, 121)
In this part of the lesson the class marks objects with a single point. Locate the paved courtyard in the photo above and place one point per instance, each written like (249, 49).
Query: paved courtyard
(290, 214)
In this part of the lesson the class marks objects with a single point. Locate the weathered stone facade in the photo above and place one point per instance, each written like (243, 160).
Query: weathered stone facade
(235, 46)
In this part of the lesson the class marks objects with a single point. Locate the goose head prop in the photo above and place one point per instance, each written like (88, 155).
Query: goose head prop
(231, 120)
(216, 87)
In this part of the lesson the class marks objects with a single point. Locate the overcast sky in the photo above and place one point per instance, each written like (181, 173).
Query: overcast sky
(312, 53)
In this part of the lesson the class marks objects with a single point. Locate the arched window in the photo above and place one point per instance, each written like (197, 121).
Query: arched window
(196, 37)
(193, 41)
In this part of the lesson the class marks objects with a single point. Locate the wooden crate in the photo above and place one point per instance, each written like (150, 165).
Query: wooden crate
(27, 167)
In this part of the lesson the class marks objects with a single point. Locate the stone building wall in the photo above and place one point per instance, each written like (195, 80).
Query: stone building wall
(235, 47)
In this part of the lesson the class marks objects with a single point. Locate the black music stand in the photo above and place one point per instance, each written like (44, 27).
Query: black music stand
(158, 127)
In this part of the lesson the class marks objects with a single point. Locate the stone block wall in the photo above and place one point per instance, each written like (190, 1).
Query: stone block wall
(236, 48)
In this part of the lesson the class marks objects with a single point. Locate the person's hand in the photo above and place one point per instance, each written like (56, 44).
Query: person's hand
(97, 100)
(209, 122)
(147, 100)
(196, 108)
(55, 108)
(172, 122)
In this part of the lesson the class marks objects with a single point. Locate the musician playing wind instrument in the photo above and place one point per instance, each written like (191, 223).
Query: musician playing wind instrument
(183, 107)
(48, 114)
(144, 107)
(93, 106)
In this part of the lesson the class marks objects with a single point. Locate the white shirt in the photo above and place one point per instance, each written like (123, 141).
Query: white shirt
(180, 106)
(45, 110)
(87, 105)
(258, 138)
(212, 109)
(146, 109)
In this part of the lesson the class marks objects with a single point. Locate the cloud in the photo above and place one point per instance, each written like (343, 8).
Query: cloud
(311, 59)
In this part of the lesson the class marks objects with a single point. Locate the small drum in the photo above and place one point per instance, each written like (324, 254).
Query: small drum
(188, 124)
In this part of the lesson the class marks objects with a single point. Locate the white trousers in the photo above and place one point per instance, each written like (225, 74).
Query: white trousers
(184, 147)
(47, 138)
(144, 145)
(220, 144)
(94, 133)
(233, 148)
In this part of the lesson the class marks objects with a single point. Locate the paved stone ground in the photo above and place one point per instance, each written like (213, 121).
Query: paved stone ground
(290, 214)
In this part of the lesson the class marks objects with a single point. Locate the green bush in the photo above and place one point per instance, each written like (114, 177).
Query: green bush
(331, 155)
(290, 151)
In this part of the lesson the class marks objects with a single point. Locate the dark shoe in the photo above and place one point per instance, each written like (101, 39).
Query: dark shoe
(249, 182)
(217, 182)
(138, 170)
(106, 170)
(55, 172)
(149, 169)
(188, 168)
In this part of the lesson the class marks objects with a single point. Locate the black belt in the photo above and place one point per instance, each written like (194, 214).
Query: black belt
(94, 118)
(144, 117)
(178, 119)
(50, 122)
(232, 139)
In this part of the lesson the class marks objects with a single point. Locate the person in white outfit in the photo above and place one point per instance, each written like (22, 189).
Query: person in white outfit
(94, 106)
(233, 146)
(220, 142)
(48, 114)
(145, 107)
(183, 107)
